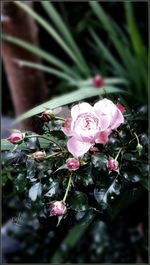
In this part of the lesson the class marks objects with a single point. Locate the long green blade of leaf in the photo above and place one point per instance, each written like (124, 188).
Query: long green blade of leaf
(64, 31)
(134, 33)
(69, 98)
(46, 69)
(113, 34)
(126, 55)
(52, 32)
(39, 52)
(137, 42)
(107, 55)
(82, 83)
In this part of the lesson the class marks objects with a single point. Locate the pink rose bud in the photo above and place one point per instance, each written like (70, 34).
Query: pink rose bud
(98, 81)
(112, 164)
(47, 115)
(120, 107)
(72, 164)
(15, 138)
(58, 208)
(39, 155)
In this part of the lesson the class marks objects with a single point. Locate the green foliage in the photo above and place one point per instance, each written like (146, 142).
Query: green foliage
(132, 55)
(93, 191)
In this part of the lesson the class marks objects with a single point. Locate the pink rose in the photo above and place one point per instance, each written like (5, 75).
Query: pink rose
(72, 164)
(98, 81)
(39, 155)
(15, 138)
(58, 208)
(89, 125)
(112, 164)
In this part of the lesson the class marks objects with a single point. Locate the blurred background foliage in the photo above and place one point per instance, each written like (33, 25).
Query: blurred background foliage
(103, 41)
(111, 40)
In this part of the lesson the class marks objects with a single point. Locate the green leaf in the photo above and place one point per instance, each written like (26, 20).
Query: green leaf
(53, 189)
(133, 175)
(6, 145)
(137, 42)
(69, 98)
(72, 238)
(63, 30)
(125, 199)
(79, 201)
(52, 33)
(99, 161)
(46, 69)
(39, 52)
(105, 194)
(107, 55)
(145, 183)
(35, 191)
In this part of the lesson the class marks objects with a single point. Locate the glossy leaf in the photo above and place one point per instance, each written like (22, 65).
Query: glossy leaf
(35, 191)
(79, 201)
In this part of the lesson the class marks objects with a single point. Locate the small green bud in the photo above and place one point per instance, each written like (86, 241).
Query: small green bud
(139, 148)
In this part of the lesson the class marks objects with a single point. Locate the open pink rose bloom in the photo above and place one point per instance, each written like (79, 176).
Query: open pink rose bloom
(89, 125)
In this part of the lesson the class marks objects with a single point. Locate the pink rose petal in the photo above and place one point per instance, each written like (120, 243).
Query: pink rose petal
(77, 148)
(80, 109)
(121, 107)
(103, 137)
(67, 127)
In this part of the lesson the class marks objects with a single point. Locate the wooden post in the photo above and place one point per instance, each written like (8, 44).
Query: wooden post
(27, 85)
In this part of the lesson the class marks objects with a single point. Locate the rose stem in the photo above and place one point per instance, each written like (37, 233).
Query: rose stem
(67, 190)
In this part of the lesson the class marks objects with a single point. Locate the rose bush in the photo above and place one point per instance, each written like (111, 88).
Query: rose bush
(107, 172)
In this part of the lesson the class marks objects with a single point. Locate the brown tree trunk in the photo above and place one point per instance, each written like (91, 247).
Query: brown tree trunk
(27, 85)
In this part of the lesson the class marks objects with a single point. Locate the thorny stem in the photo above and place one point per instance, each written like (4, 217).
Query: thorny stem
(118, 153)
(67, 190)
(15, 147)
(56, 154)
(137, 138)
(44, 137)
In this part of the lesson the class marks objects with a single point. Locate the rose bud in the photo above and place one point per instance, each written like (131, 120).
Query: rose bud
(58, 208)
(15, 138)
(72, 164)
(112, 164)
(98, 81)
(39, 155)
(120, 107)
(47, 115)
